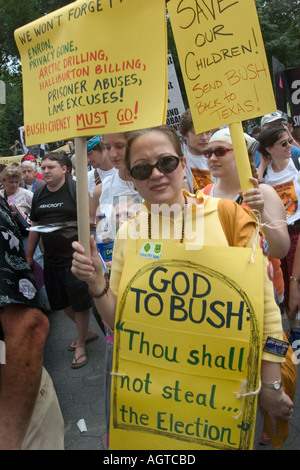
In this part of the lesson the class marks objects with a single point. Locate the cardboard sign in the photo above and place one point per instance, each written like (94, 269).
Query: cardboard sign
(279, 85)
(293, 91)
(223, 62)
(10, 160)
(175, 101)
(2, 92)
(94, 68)
(187, 338)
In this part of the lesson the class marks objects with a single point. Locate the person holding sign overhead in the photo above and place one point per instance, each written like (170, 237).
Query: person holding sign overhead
(155, 161)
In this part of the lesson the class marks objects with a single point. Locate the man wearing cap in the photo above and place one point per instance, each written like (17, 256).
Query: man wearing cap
(272, 120)
(98, 159)
(32, 158)
(32, 180)
(276, 120)
(102, 167)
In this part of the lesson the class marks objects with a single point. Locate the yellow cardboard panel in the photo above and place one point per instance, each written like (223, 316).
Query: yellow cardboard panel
(223, 61)
(187, 337)
(93, 68)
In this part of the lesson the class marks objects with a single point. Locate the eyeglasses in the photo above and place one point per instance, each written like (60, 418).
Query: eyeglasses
(219, 152)
(284, 143)
(165, 165)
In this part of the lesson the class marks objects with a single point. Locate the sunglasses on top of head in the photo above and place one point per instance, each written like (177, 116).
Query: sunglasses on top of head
(219, 152)
(165, 164)
(285, 143)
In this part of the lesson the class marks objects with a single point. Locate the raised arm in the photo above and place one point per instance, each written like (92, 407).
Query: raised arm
(264, 199)
(90, 271)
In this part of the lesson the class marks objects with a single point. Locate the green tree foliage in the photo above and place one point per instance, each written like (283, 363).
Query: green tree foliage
(15, 14)
(280, 27)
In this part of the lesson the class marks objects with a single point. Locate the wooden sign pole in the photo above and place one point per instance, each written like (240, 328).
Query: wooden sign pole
(241, 155)
(82, 194)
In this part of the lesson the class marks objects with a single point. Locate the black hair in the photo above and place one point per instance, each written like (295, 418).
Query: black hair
(269, 137)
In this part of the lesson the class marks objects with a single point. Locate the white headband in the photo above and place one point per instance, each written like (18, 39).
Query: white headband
(223, 135)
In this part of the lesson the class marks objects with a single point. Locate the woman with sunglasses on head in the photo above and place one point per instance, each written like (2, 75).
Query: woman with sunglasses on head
(156, 164)
(280, 172)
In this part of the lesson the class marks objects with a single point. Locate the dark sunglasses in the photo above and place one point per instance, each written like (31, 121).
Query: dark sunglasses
(284, 143)
(219, 152)
(165, 165)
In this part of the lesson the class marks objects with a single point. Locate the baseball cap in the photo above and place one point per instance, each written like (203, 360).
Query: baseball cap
(267, 118)
(223, 135)
(91, 143)
(28, 158)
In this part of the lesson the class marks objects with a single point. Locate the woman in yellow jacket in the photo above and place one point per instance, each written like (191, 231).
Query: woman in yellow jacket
(156, 164)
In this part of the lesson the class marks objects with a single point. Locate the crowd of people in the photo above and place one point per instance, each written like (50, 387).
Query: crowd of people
(148, 167)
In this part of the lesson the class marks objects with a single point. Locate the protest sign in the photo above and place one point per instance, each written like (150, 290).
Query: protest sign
(279, 85)
(92, 68)
(175, 101)
(10, 160)
(223, 61)
(2, 92)
(293, 92)
(224, 67)
(187, 339)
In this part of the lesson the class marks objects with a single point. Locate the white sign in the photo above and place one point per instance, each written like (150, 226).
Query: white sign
(2, 353)
(2, 93)
(175, 102)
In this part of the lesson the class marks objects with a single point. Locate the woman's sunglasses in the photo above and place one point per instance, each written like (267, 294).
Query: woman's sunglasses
(165, 165)
(284, 143)
(219, 152)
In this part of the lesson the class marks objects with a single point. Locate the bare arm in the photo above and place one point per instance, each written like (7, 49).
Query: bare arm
(25, 331)
(90, 271)
(294, 294)
(264, 199)
(274, 402)
(33, 240)
(94, 202)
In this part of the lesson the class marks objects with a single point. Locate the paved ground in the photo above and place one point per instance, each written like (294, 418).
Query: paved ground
(80, 391)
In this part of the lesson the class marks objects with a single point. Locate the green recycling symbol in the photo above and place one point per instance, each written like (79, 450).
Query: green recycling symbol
(147, 247)
(157, 248)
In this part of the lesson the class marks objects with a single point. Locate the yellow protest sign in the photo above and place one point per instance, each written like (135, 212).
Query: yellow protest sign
(11, 160)
(187, 342)
(223, 61)
(94, 67)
